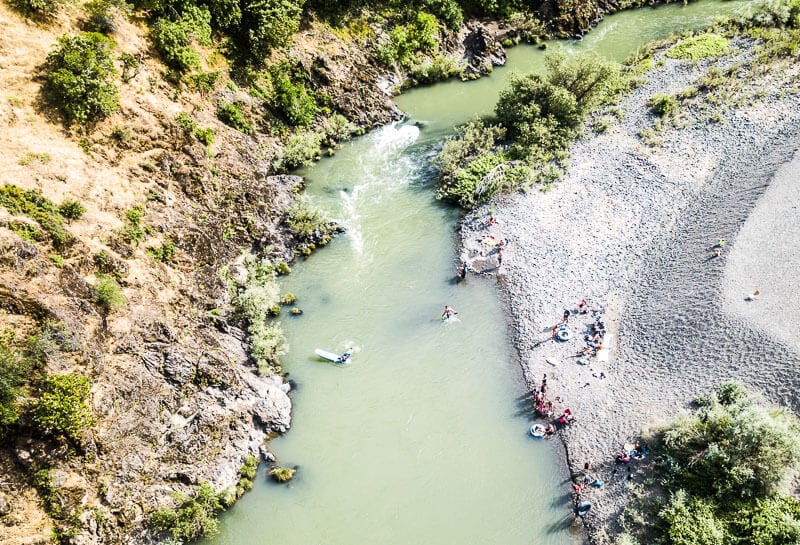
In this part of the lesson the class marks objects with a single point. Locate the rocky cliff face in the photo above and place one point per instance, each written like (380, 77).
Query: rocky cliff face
(176, 397)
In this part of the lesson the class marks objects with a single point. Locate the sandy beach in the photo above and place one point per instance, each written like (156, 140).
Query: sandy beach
(633, 228)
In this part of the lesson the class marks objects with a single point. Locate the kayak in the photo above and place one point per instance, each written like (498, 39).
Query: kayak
(330, 356)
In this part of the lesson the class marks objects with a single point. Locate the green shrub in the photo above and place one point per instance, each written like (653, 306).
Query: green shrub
(475, 142)
(186, 122)
(288, 299)
(283, 474)
(37, 9)
(290, 96)
(699, 47)
(407, 40)
(205, 136)
(691, 521)
(231, 114)
(108, 295)
(64, 406)
(71, 210)
(163, 253)
(255, 297)
(440, 68)
(133, 232)
(79, 80)
(57, 260)
(173, 38)
(338, 129)
(300, 150)
(193, 518)
(591, 79)
(203, 82)
(33, 204)
(663, 105)
(730, 447)
(306, 222)
(269, 24)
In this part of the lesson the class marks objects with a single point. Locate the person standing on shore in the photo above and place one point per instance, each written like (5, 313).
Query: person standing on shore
(566, 315)
(499, 258)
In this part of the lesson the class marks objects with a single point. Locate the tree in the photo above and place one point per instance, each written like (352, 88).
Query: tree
(80, 77)
(589, 77)
(537, 114)
(730, 447)
(270, 24)
(64, 407)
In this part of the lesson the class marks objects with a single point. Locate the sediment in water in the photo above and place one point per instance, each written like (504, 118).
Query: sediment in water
(633, 228)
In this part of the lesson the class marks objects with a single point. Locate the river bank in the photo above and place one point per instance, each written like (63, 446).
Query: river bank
(632, 228)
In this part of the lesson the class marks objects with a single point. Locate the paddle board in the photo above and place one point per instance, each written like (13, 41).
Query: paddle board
(330, 356)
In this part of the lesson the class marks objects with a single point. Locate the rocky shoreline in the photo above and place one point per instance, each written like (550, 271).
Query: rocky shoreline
(632, 228)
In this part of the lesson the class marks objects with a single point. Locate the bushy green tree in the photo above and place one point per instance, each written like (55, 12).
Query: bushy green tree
(465, 159)
(64, 407)
(80, 78)
(270, 24)
(538, 115)
(71, 210)
(407, 40)
(591, 79)
(731, 447)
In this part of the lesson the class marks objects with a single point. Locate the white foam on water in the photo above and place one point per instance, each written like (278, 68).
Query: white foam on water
(385, 142)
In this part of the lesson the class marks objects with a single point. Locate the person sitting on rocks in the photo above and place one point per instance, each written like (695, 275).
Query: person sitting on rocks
(583, 308)
(623, 458)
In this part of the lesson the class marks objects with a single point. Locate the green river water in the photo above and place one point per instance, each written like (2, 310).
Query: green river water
(423, 438)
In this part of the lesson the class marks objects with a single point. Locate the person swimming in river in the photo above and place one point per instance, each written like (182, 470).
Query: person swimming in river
(344, 358)
(448, 313)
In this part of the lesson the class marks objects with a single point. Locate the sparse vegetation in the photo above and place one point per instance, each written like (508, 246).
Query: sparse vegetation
(30, 156)
(80, 76)
(163, 253)
(14, 369)
(133, 232)
(253, 300)
(34, 205)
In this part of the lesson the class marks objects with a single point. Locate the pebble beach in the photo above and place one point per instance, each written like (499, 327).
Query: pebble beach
(632, 229)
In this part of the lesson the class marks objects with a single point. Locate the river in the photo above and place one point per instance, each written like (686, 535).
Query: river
(423, 437)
